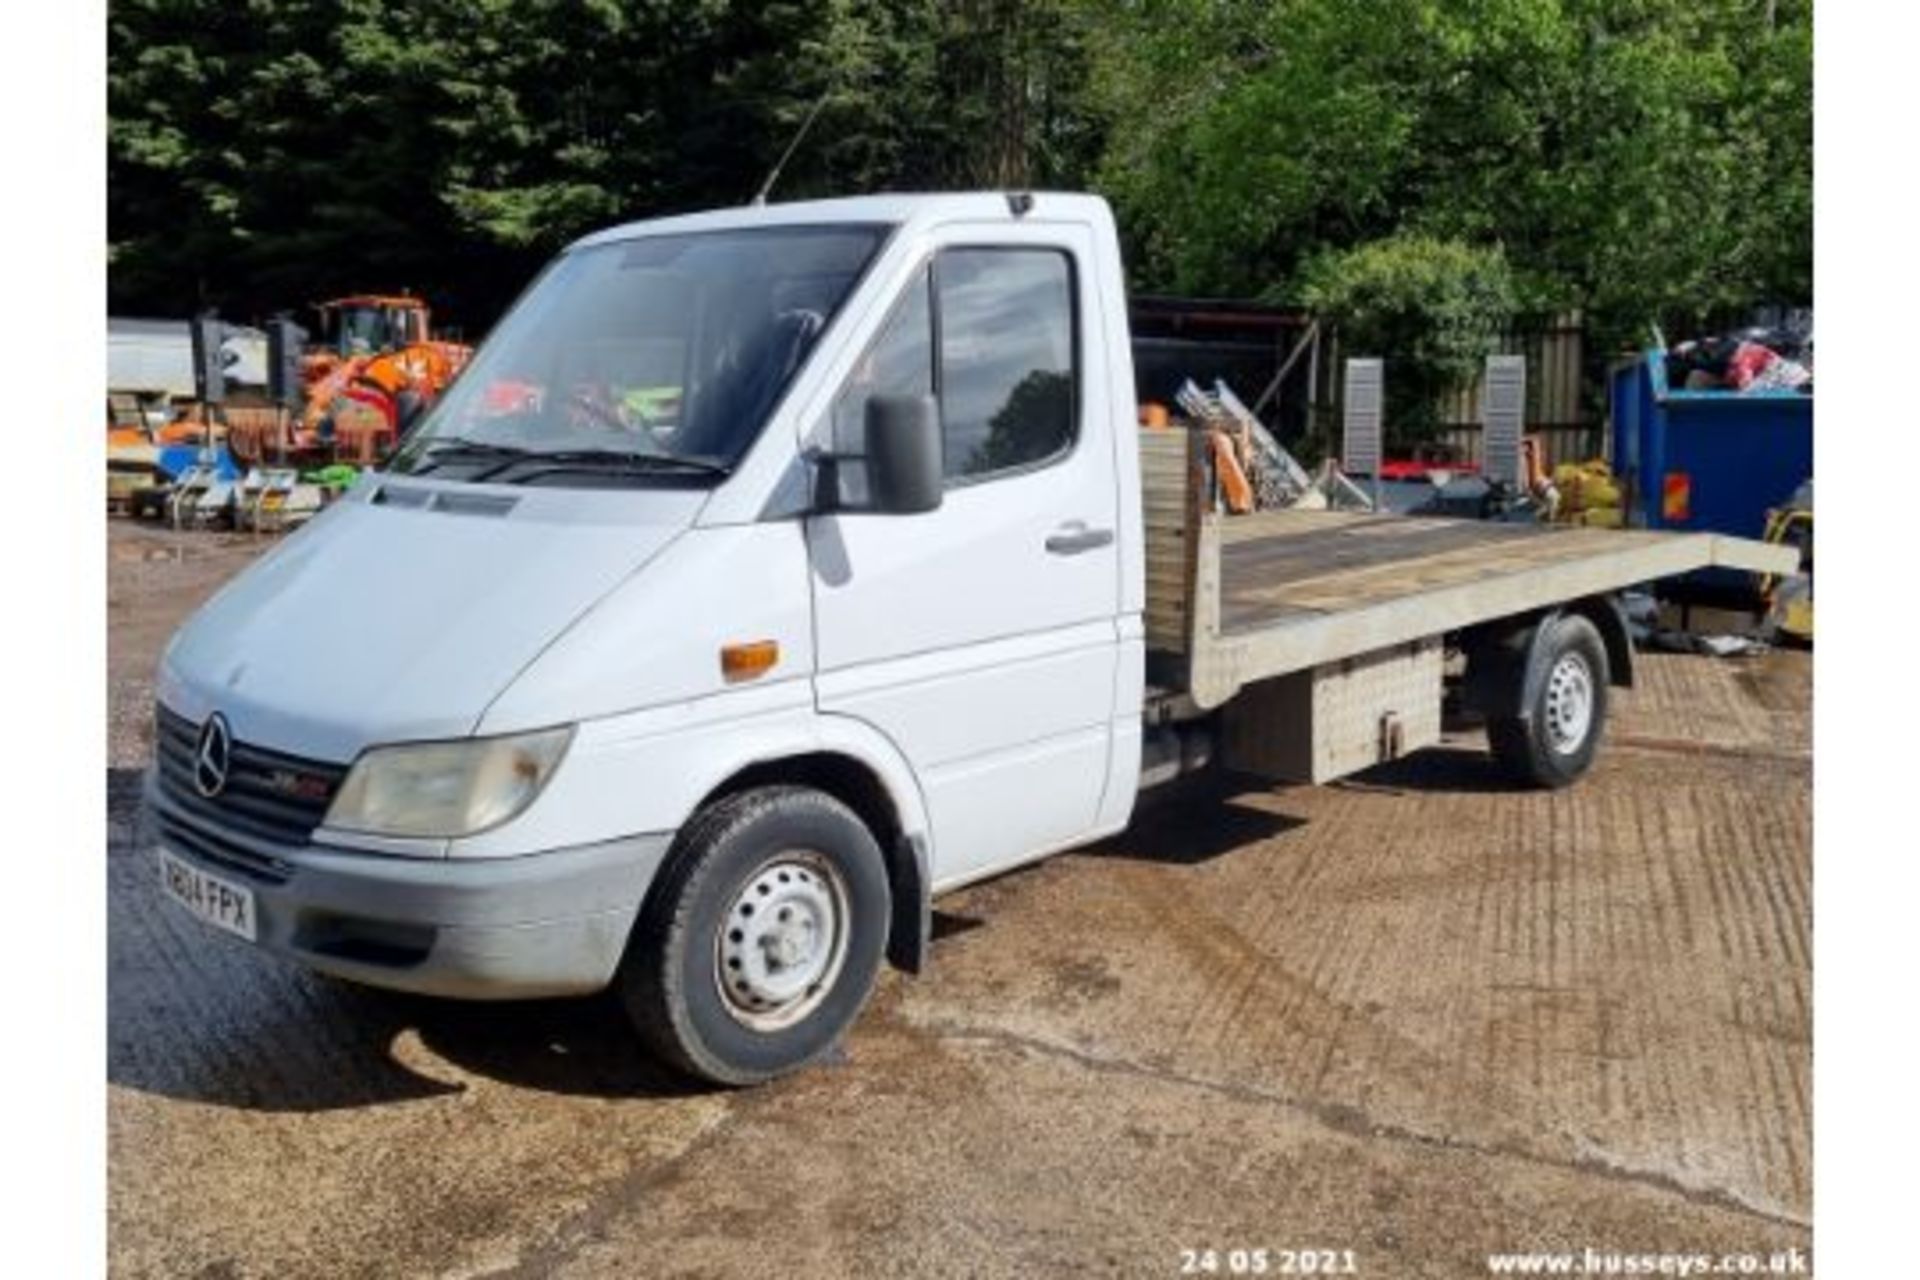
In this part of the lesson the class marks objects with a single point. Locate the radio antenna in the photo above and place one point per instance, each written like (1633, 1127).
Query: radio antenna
(760, 196)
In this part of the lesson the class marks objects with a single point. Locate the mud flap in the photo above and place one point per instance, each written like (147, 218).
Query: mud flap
(911, 933)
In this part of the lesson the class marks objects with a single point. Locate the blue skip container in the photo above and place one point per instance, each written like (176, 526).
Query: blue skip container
(1705, 461)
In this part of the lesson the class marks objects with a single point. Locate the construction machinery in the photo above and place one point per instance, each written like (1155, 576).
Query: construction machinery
(376, 365)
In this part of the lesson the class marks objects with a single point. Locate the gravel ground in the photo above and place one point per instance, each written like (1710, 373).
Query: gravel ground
(1416, 1015)
(155, 578)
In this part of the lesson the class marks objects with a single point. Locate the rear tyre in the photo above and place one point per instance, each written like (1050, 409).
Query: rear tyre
(760, 942)
(1555, 741)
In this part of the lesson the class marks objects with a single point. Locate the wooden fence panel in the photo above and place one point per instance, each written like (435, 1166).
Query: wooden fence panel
(1556, 393)
(1565, 395)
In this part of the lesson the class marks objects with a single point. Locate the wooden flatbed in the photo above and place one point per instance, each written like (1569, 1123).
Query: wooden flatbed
(1244, 598)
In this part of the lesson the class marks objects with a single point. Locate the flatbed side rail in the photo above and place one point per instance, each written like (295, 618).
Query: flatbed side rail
(1221, 662)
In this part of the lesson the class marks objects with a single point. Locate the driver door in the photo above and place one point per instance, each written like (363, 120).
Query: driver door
(981, 637)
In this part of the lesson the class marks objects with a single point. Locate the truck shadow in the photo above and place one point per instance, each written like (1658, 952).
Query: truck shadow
(1195, 820)
(1448, 768)
(948, 924)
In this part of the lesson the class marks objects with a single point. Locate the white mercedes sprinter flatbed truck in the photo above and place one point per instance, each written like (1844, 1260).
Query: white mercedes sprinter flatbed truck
(770, 571)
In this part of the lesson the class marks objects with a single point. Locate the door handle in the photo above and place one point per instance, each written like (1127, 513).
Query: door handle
(1073, 538)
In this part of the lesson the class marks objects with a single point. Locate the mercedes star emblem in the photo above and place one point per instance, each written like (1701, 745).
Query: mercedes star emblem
(211, 758)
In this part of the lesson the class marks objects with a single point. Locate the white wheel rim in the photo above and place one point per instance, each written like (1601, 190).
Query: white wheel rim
(1569, 709)
(782, 942)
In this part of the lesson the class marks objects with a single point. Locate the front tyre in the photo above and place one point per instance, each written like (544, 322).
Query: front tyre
(762, 938)
(1555, 741)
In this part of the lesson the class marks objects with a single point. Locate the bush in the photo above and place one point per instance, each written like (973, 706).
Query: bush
(1433, 309)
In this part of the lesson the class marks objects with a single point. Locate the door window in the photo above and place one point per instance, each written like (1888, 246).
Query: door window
(1006, 381)
(1005, 374)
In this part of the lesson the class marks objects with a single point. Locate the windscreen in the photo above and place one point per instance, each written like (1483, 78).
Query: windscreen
(364, 330)
(640, 359)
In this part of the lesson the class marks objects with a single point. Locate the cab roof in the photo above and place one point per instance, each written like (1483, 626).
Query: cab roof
(892, 210)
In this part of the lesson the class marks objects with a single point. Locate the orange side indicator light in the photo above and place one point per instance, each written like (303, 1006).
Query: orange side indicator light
(748, 661)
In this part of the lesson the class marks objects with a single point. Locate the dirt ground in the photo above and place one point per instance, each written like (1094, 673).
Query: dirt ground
(1416, 1016)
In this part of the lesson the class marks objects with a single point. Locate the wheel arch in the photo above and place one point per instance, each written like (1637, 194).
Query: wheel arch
(1610, 620)
(896, 821)
(1500, 653)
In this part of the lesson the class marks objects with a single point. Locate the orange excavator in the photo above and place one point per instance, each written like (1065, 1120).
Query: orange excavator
(376, 366)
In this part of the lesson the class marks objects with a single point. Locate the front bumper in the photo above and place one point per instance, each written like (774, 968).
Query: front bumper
(542, 924)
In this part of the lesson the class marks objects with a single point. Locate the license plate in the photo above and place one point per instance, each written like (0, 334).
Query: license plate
(218, 901)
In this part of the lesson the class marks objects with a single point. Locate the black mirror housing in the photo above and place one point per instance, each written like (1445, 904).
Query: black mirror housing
(905, 475)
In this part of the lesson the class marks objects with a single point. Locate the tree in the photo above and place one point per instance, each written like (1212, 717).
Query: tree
(1436, 308)
(1648, 161)
(268, 154)
(1645, 160)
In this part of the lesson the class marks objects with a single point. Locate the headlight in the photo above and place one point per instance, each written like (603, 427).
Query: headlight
(445, 789)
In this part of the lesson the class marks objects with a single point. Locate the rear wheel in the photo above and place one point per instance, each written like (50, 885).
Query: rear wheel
(761, 941)
(1556, 738)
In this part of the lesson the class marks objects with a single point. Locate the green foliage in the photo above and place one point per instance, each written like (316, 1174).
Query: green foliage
(1645, 160)
(267, 154)
(1437, 308)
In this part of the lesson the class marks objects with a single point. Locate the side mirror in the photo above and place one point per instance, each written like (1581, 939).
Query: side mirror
(904, 454)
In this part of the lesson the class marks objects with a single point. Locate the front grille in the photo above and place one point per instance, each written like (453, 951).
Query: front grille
(211, 845)
(269, 795)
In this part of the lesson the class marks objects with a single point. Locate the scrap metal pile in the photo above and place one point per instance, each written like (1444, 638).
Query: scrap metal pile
(1254, 472)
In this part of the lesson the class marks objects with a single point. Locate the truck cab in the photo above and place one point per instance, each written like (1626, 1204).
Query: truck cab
(639, 582)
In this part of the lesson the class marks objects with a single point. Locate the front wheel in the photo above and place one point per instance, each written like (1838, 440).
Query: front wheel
(1555, 740)
(760, 943)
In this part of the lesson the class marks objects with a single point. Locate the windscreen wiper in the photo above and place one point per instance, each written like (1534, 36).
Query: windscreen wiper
(454, 448)
(625, 461)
